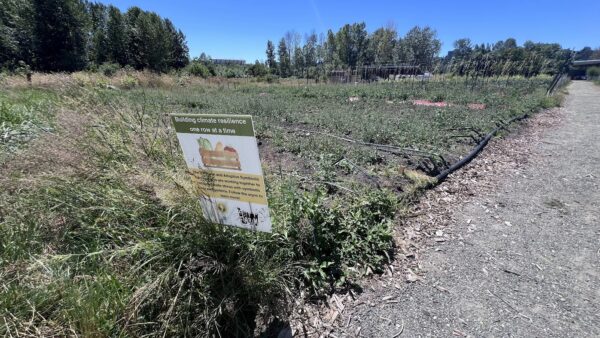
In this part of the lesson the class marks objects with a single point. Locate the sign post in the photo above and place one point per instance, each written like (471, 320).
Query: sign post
(222, 157)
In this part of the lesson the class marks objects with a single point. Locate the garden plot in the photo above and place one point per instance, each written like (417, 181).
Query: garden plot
(118, 245)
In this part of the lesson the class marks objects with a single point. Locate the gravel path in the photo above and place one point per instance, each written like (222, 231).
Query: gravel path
(518, 258)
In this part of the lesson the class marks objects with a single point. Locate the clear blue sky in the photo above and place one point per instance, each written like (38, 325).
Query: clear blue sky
(240, 29)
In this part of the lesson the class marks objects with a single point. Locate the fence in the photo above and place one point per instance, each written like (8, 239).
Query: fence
(559, 80)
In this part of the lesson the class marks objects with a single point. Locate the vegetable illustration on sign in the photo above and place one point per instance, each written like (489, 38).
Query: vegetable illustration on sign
(221, 157)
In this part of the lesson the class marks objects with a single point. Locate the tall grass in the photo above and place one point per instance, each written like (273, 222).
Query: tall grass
(119, 247)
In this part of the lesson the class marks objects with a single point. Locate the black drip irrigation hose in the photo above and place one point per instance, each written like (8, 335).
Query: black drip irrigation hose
(444, 174)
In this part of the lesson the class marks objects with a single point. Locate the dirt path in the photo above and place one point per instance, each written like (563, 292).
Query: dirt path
(518, 258)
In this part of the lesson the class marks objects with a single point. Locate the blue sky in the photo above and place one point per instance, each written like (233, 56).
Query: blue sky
(240, 29)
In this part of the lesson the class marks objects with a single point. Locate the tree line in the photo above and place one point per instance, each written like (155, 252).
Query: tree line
(352, 47)
(505, 58)
(72, 35)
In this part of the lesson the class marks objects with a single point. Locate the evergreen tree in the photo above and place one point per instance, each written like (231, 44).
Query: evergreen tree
(284, 59)
(271, 62)
(59, 36)
(309, 50)
(16, 33)
(135, 43)
(69, 35)
(152, 30)
(330, 48)
(116, 37)
(98, 48)
(9, 48)
(179, 55)
(298, 63)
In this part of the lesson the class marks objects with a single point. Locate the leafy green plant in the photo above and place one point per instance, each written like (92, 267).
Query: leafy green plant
(128, 82)
(109, 69)
(198, 69)
(336, 240)
(593, 73)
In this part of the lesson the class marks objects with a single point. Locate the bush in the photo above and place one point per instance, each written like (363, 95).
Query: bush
(128, 82)
(593, 73)
(109, 69)
(258, 70)
(198, 69)
(230, 74)
(335, 240)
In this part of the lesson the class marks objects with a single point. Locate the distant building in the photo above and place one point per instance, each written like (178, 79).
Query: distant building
(228, 62)
(578, 68)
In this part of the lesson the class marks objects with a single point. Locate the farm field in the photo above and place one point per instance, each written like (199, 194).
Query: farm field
(101, 233)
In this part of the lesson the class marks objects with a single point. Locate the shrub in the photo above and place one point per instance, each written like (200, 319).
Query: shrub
(198, 69)
(230, 74)
(128, 82)
(109, 69)
(335, 240)
(258, 70)
(593, 72)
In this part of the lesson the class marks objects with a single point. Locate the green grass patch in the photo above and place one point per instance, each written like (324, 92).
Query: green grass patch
(24, 113)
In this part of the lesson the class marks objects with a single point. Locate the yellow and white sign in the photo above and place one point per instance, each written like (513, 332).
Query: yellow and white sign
(222, 157)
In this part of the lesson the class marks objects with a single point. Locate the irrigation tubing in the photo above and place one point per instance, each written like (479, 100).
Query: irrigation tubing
(442, 176)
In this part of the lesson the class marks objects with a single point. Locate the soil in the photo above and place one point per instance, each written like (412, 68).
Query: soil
(508, 246)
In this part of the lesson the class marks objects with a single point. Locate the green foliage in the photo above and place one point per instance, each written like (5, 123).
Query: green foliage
(285, 65)
(419, 46)
(16, 33)
(128, 82)
(593, 73)
(198, 69)
(258, 70)
(60, 37)
(587, 53)
(271, 62)
(335, 241)
(353, 47)
(109, 69)
(80, 35)
(22, 117)
(269, 78)
(550, 101)
(383, 44)
(506, 58)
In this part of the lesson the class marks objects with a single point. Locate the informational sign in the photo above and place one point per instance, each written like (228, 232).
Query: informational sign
(222, 157)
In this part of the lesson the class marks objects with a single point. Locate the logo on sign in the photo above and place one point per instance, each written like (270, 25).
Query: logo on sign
(248, 218)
